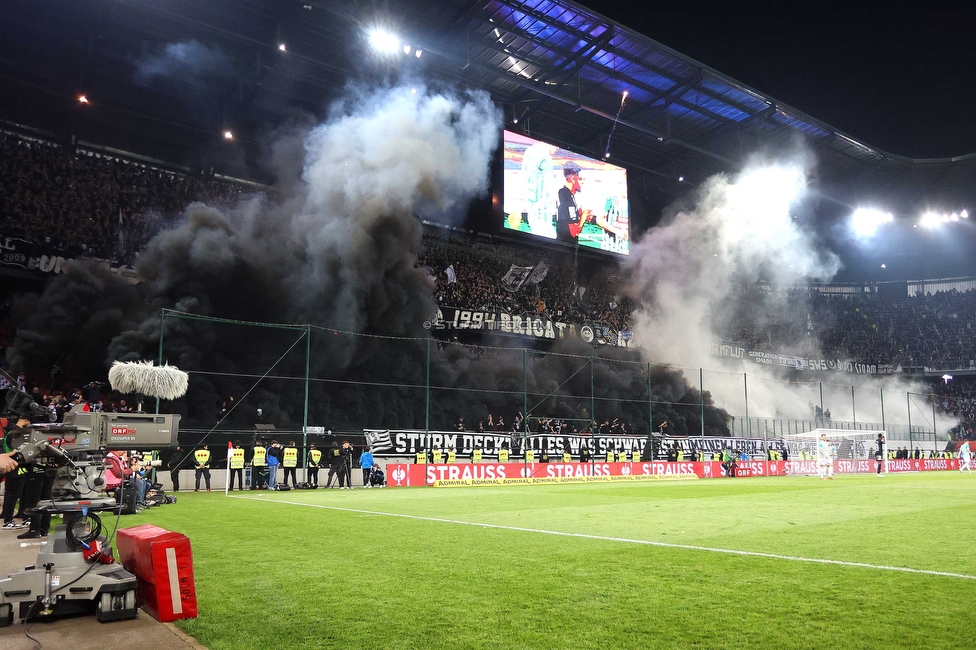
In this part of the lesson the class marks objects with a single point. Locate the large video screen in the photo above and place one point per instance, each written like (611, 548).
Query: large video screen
(557, 194)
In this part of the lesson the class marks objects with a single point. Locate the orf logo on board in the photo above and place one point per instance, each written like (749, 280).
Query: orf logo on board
(625, 470)
(399, 475)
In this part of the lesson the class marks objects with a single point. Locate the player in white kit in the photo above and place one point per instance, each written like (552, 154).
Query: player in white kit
(965, 457)
(825, 458)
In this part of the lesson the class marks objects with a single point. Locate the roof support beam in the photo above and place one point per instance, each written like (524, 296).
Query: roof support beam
(660, 137)
(578, 61)
(582, 35)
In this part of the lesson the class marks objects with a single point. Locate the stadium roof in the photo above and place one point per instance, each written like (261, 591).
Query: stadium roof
(558, 67)
(554, 58)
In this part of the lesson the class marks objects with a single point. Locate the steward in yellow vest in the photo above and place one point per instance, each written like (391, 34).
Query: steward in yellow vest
(529, 456)
(635, 456)
(314, 462)
(567, 457)
(290, 463)
(202, 466)
(291, 456)
(259, 466)
(610, 456)
(451, 456)
(438, 456)
(421, 458)
(237, 465)
(503, 455)
(476, 455)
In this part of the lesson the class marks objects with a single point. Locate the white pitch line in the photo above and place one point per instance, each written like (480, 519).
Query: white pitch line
(625, 540)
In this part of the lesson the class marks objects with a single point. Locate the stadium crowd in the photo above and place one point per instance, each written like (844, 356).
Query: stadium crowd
(479, 268)
(73, 201)
(934, 330)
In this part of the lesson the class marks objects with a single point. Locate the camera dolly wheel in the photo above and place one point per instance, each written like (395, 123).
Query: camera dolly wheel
(116, 606)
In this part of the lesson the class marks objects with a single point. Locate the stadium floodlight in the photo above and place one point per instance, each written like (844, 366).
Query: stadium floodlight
(866, 221)
(406, 49)
(82, 99)
(418, 52)
(383, 41)
(884, 266)
(681, 179)
(228, 135)
(761, 198)
(931, 219)
(282, 48)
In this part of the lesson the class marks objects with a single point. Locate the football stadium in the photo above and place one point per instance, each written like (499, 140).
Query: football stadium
(625, 331)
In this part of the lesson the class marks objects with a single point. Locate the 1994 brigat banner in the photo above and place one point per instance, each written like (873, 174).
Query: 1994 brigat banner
(532, 325)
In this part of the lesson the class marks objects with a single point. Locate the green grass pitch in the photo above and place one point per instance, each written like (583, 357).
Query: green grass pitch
(337, 569)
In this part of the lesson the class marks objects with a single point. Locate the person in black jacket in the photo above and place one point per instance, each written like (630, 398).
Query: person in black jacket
(173, 465)
(335, 466)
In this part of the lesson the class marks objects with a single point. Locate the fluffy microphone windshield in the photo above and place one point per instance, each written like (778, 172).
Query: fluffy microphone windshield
(164, 382)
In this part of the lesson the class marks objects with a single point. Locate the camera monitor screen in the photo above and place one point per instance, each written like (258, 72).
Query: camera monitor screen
(557, 194)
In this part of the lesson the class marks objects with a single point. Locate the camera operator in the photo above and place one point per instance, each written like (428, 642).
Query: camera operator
(7, 463)
(13, 482)
(40, 480)
(335, 466)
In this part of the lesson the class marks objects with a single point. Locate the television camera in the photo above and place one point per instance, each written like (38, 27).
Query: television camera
(75, 569)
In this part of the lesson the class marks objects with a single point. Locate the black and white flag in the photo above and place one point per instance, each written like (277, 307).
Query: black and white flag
(378, 440)
(538, 273)
(516, 277)
(451, 276)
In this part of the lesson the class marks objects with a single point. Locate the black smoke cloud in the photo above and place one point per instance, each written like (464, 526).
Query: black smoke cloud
(337, 249)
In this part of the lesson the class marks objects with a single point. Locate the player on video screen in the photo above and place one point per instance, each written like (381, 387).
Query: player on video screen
(613, 236)
(569, 217)
(537, 173)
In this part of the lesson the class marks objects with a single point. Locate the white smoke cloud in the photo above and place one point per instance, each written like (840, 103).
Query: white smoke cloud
(740, 229)
(688, 273)
(366, 169)
(387, 149)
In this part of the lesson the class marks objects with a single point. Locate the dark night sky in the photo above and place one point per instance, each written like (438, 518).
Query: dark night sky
(896, 75)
